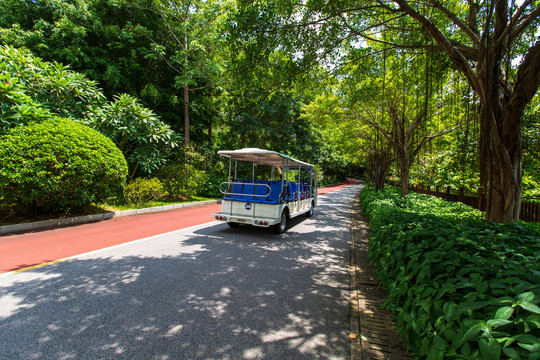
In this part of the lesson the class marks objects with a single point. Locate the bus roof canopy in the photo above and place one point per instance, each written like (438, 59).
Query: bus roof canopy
(265, 157)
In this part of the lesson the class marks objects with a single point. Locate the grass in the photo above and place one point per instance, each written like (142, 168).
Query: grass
(9, 214)
(115, 205)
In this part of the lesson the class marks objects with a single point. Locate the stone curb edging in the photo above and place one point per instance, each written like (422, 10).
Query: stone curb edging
(9, 229)
(373, 332)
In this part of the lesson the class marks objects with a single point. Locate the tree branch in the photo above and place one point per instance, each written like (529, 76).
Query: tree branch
(200, 88)
(526, 22)
(457, 57)
(527, 82)
(513, 23)
(427, 139)
(415, 123)
(472, 35)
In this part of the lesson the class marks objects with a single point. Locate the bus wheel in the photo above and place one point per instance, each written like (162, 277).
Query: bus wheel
(233, 225)
(282, 226)
(310, 212)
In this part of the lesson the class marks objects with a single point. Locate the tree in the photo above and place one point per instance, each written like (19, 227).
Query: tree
(193, 26)
(404, 139)
(115, 43)
(36, 90)
(482, 39)
(489, 44)
(141, 136)
(33, 89)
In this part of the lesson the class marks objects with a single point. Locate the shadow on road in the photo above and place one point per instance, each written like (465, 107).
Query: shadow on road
(215, 293)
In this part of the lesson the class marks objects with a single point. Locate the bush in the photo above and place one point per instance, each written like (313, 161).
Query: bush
(211, 187)
(182, 180)
(463, 288)
(141, 191)
(58, 165)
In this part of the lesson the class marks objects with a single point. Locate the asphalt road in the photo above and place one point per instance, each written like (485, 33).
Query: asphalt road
(206, 292)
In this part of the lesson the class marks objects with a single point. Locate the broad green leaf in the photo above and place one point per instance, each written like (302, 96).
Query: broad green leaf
(533, 348)
(534, 319)
(435, 354)
(530, 307)
(490, 349)
(527, 339)
(466, 349)
(524, 297)
(504, 313)
(482, 287)
(472, 332)
(511, 353)
(495, 323)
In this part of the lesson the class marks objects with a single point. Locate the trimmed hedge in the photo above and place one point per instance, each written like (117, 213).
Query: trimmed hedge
(462, 288)
(58, 165)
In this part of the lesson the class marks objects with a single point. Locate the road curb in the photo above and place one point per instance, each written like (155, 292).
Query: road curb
(373, 332)
(53, 223)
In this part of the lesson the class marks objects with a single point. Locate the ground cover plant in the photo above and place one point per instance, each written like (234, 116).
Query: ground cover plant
(461, 287)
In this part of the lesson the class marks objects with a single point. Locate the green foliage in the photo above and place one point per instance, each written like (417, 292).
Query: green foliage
(462, 288)
(137, 131)
(210, 188)
(531, 150)
(444, 168)
(58, 165)
(182, 180)
(32, 89)
(141, 191)
(127, 46)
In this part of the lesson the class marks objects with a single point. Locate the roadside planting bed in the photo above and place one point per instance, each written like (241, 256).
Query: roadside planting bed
(461, 287)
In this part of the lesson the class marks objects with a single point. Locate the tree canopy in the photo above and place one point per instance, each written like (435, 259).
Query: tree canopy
(441, 92)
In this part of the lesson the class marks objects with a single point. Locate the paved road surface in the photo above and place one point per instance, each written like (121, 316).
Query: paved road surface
(20, 251)
(206, 292)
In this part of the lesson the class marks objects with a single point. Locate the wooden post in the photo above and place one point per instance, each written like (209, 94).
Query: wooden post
(448, 193)
(461, 191)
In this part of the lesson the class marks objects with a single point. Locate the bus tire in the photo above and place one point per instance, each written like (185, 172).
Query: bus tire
(282, 226)
(310, 212)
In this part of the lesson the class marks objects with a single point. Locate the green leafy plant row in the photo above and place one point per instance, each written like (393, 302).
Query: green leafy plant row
(462, 288)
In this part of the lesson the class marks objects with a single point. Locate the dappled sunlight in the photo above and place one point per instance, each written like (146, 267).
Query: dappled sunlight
(190, 295)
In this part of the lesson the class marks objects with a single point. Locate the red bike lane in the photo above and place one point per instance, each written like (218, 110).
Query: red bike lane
(19, 252)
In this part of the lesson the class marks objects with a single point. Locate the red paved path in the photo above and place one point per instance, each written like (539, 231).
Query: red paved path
(23, 250)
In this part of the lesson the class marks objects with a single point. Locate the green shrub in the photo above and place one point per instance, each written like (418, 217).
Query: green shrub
(141, 191)
(210, 188)
(182, 180)
(58, 165)
(463, 288)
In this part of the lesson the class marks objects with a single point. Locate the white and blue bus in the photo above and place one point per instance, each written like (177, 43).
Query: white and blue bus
(277, 189)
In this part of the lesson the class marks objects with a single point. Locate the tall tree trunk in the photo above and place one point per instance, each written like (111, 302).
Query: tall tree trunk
(503, 158)
(504, 194)
(501, 115)
(404, 169)
(186, 88)
(186, 114)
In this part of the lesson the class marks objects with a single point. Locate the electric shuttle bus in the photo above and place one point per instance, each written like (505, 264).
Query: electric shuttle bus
(280, 188)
